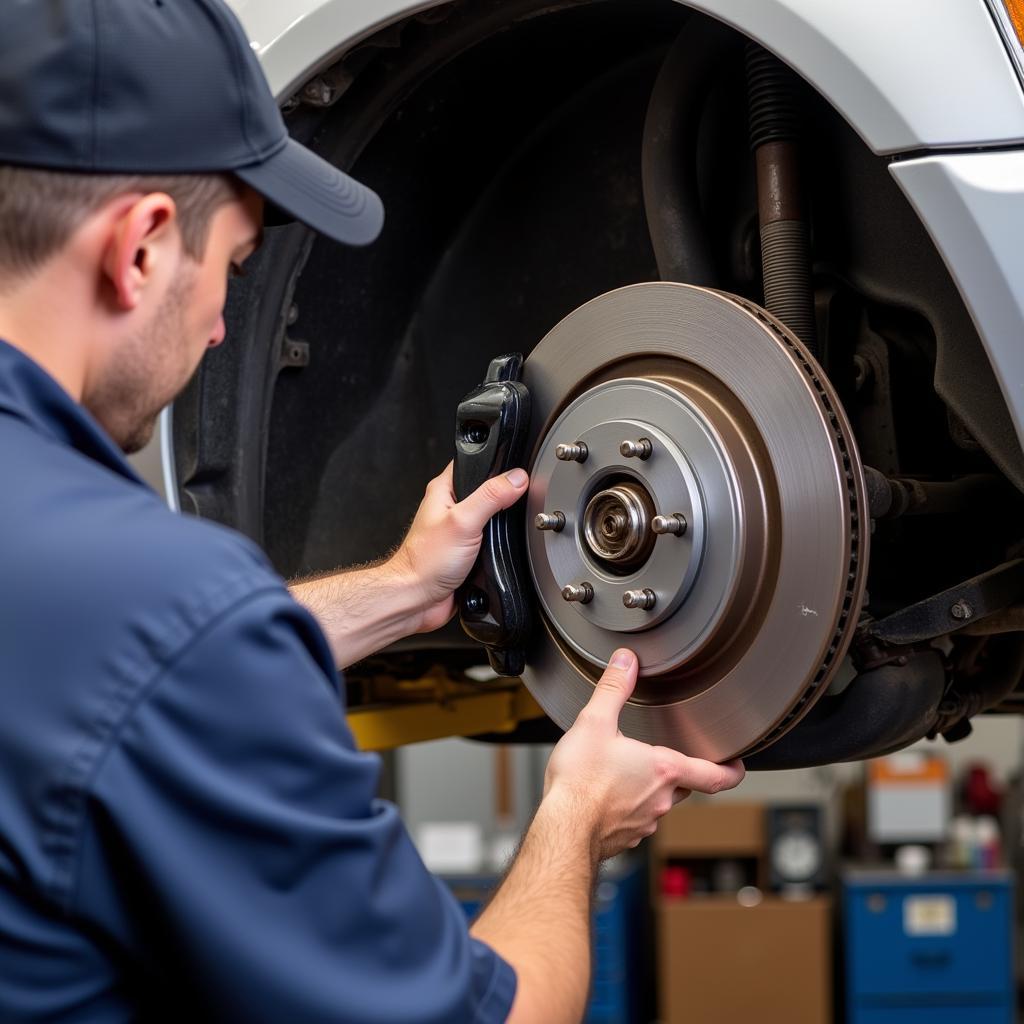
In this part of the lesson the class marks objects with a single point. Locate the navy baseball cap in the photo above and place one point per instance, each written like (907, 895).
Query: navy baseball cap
(161, 87)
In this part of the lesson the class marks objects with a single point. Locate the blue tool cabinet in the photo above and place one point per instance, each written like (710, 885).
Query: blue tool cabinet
(620, 931)
(935, 949)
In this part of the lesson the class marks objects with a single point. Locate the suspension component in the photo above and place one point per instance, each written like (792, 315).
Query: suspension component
(774, 138)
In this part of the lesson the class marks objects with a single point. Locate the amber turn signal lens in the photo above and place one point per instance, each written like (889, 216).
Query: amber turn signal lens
(1015, 9)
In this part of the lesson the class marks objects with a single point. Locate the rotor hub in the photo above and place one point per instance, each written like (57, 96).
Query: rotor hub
(610, 502)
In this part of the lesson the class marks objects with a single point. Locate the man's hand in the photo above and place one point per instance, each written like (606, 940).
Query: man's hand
(621, 786)
(363, 610)
(603, 793)
(445, 536)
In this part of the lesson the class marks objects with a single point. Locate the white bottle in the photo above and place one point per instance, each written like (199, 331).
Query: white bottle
(987, 840)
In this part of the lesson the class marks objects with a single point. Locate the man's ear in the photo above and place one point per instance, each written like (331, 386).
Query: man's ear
(144, 235)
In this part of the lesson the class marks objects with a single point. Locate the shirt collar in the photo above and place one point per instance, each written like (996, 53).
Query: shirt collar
(30, 393)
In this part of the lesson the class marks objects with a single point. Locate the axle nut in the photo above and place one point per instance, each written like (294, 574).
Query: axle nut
(616, 525)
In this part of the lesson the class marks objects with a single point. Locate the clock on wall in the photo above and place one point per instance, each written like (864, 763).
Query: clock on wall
(796, 848)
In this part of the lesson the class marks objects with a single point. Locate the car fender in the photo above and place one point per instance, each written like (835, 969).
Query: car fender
(918, 74)
(972, 205)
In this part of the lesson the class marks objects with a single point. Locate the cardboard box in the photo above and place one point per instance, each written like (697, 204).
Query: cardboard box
(695, 829)
(719, 962)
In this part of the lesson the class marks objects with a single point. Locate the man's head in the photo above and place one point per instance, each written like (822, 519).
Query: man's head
(141, 264)
(137, 141)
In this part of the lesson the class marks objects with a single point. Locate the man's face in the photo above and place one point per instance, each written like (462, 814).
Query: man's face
(157, 361)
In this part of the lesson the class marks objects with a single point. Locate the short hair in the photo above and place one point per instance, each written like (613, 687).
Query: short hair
(41, 209)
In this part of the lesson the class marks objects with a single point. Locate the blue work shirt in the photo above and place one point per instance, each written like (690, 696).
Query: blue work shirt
(187, 831)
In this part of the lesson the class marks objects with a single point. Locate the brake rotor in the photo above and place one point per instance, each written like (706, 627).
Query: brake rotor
(703, 503)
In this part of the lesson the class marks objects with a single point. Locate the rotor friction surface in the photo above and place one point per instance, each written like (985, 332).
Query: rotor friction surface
(751, 622)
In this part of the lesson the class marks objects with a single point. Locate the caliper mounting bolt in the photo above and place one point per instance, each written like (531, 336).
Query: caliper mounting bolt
(675, 523)
(554, 521)
(645, 599)
(582, 593)
(571, 452)
(636, 449)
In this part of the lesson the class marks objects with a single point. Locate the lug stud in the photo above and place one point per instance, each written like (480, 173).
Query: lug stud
(554, 521)
(577, 452)
(582, 593)
(645, 599)
(636, 449)
(675, 523)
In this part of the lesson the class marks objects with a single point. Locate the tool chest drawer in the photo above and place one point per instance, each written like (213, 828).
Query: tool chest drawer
(928, 942)
(962, 1013)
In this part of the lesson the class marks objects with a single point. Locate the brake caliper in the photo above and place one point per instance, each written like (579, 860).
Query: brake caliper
(490, 434)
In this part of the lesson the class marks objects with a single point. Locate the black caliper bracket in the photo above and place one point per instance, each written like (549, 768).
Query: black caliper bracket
(490, 437)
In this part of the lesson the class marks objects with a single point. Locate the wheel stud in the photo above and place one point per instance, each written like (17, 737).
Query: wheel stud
(554, 521)
(582, 593)
(645, 599)
(571, 452)
(675, 523)
(636, 449)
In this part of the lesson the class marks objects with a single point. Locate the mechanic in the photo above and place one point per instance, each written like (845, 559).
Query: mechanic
(186, 828)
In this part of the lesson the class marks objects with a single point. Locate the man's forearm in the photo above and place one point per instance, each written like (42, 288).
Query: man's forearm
(361, 610)
(539, 919)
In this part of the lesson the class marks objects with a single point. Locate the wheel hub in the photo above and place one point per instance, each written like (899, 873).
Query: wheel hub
(610, 500)
(617, 526)
(695, 495)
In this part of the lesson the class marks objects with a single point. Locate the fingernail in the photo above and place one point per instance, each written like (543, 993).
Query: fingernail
(622, 658)
(517, 477)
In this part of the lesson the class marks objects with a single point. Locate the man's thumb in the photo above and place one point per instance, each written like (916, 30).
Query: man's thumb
(493, 495)
(615, 687)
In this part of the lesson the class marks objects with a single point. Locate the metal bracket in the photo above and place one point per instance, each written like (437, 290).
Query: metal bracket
(952, 609)
(490, 435)
(293, 354)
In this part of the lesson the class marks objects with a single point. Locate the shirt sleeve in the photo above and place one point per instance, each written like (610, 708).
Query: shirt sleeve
(235, 850)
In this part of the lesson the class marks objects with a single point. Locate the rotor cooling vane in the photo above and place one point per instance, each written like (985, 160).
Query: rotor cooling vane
(696, 496)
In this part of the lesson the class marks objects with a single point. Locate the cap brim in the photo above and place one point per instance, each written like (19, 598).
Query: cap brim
(311, 190)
